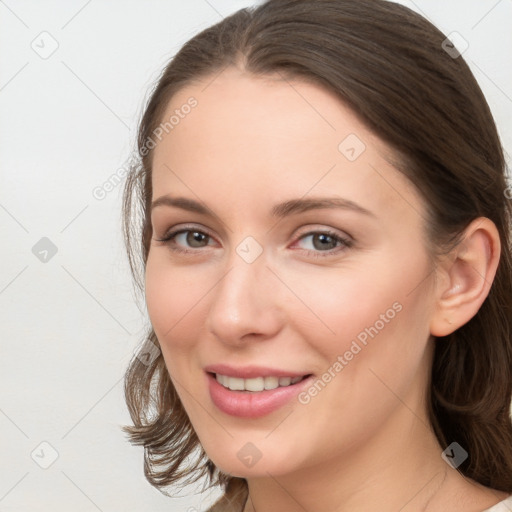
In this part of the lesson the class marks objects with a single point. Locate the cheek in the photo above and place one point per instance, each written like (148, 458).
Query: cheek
(371, 319)
(384, 351)
(378, 352)
(174, 299)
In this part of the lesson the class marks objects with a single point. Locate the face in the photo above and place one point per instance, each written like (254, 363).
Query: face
(294, 251)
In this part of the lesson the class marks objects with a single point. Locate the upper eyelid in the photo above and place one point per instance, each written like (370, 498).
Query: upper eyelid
(185, 228)
(307, 231)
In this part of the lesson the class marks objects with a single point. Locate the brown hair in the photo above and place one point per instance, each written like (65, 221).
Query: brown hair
(389, 65)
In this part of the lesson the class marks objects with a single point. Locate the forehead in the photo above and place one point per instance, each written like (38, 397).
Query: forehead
(270, 137)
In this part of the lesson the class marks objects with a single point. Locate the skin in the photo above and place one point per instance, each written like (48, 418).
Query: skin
(364, 442)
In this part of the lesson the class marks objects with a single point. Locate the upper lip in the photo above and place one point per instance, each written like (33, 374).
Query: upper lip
(250, 372)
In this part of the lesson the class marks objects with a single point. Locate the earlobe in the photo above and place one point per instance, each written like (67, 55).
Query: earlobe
(468, 275)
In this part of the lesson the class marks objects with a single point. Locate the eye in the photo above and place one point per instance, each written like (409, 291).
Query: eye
(327, 242)
(317, 243)
(186, 240)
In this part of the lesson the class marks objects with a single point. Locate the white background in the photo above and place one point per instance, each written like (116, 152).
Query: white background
(70, 326)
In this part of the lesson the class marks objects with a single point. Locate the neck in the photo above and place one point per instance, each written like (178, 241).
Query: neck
(398, 468)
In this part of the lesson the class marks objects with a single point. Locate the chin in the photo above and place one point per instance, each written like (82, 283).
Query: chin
(245, 459)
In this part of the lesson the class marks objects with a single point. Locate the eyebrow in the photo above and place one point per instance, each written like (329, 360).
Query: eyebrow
(281, 210)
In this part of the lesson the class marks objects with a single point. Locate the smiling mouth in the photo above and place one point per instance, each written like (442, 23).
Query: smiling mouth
(256, 384)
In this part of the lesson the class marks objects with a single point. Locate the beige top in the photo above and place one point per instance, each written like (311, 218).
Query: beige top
(237, 504)
(502, 506)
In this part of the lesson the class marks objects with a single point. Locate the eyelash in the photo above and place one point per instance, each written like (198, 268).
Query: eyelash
(345, 243)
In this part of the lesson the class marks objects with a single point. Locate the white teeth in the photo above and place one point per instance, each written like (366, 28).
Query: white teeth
(255, 384)
(271, 382)
(285, 381)
(236, 384)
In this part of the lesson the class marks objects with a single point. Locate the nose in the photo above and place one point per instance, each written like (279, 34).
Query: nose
(245, 304)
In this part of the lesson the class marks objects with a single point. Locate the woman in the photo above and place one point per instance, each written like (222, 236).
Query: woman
(325, 242)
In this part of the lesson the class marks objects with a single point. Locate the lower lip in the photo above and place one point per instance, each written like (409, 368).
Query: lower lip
(250, 404)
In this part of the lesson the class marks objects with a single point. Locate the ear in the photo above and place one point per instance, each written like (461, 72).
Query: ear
(465, 277)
